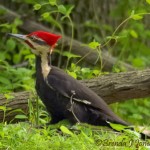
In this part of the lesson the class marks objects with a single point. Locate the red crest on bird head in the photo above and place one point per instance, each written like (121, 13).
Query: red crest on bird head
(49, 38)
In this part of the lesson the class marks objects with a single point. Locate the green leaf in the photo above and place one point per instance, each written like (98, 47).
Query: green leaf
(16, 110)
(134, 34)
(18, 22)
(70, 55)
(3, 108)
(71, 73)
(62, 9)
(96, 72)
(8, 96)
(86, 70)
(16, 58)
(90, 139)
(37, 6)
(137, 17)
(117, 127)
(53, 2)
(45, 15)
(10, 44)
(138, 62)
(21, 117)
(69, 10)
(5, 25)
(4, 80)
(94, 45)
(3, 56)
(132, 12)
(148, 1)
(65, 130)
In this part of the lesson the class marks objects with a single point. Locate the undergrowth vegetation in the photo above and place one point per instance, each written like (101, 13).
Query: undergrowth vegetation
(128, 41)
(23, 136)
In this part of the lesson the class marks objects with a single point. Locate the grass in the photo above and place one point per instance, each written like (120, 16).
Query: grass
(23, 136)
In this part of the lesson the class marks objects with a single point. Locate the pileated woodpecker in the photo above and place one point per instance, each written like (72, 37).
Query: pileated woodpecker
(64, 96)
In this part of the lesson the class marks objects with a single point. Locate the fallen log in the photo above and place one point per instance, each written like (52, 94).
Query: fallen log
(114, 87)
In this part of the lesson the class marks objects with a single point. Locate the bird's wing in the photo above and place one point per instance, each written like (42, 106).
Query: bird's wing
(72, 88)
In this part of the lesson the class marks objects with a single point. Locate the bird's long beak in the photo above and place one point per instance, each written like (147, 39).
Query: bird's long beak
(18, 36)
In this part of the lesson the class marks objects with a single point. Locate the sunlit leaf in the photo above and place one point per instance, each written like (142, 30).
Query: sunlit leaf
(117, 127)
(66, 130)
(37, 6)
(148, 1)
(53, 2)
(21, 117)
(62, 9)
(134, 34)
(94, 45)
(137, 17)
(70, 55)
(96, 72)
(3, 108)
(45, 15)
(71, 73)
(8, 96)
(85, 70)
(132, 13)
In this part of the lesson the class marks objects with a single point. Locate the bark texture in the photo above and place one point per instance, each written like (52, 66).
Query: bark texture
(17, 104)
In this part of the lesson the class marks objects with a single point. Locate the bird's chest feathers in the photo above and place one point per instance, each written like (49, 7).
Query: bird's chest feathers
(45, 66)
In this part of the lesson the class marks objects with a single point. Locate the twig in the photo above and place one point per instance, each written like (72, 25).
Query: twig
(71, 108)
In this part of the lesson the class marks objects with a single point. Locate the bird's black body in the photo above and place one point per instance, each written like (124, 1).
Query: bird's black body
(66, 98)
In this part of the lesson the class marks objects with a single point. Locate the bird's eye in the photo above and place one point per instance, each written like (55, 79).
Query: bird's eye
(32, 38)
